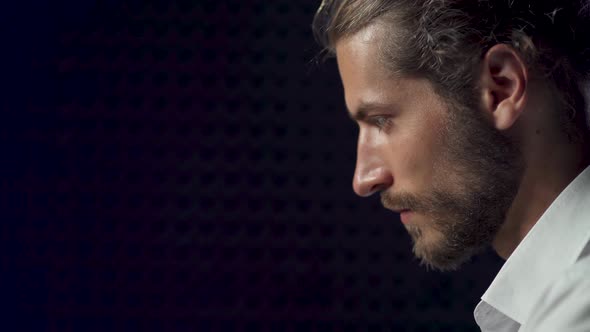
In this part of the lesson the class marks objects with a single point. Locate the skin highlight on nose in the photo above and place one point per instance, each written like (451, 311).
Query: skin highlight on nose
(366, 182)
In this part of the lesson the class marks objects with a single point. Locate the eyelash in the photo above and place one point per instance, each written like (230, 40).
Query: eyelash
(381, 122)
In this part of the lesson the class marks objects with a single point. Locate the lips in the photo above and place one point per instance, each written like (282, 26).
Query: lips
(405, 215)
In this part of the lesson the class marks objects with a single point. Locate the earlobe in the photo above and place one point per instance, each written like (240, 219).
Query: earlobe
(505, 116)
(503, 82)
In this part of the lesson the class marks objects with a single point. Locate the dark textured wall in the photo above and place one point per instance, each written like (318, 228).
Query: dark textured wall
(187, 166)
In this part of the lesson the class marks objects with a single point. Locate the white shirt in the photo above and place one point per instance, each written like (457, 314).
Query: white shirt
(544, 286)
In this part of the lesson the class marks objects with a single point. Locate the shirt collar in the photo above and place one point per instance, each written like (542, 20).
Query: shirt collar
(552, 245)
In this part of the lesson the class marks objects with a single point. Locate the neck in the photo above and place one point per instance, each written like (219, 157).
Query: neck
(550, 168)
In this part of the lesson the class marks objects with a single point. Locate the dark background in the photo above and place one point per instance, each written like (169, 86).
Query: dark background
(187, 165)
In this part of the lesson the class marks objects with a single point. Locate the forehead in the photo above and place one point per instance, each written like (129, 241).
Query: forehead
(359, 53)
(364, 76)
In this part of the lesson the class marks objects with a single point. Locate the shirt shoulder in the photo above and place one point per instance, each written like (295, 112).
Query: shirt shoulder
(565, 305)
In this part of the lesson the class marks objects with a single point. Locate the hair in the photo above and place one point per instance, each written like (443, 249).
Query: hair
(445, 41)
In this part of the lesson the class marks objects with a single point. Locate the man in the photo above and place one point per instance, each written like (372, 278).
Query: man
(472, 127)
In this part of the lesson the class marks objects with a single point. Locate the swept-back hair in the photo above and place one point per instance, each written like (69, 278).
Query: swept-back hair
(445, 41)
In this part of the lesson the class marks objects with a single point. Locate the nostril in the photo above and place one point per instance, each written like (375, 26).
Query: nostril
(367, 181)
(376, 188)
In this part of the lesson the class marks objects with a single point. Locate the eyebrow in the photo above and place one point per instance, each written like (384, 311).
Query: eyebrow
(365, 108)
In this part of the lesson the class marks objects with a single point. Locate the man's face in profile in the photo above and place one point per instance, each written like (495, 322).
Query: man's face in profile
(449, 172)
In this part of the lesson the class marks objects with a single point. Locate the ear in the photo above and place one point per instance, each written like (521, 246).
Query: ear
(504, 79)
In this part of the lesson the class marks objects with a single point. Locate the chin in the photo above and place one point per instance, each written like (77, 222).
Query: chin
(436, 252)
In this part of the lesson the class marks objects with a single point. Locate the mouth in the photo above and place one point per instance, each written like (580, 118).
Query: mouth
(397, 210)
(405, 215)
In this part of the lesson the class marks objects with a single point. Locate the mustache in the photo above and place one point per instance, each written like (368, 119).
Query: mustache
(400, 201)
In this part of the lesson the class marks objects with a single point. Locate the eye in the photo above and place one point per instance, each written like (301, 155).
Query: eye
(381, 122)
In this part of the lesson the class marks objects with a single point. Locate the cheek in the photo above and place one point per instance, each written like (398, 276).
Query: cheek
(416, 156)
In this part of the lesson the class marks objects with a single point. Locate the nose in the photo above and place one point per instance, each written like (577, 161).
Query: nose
(371, 173)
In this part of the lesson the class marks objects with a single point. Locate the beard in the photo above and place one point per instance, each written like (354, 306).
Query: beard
(475, 183)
